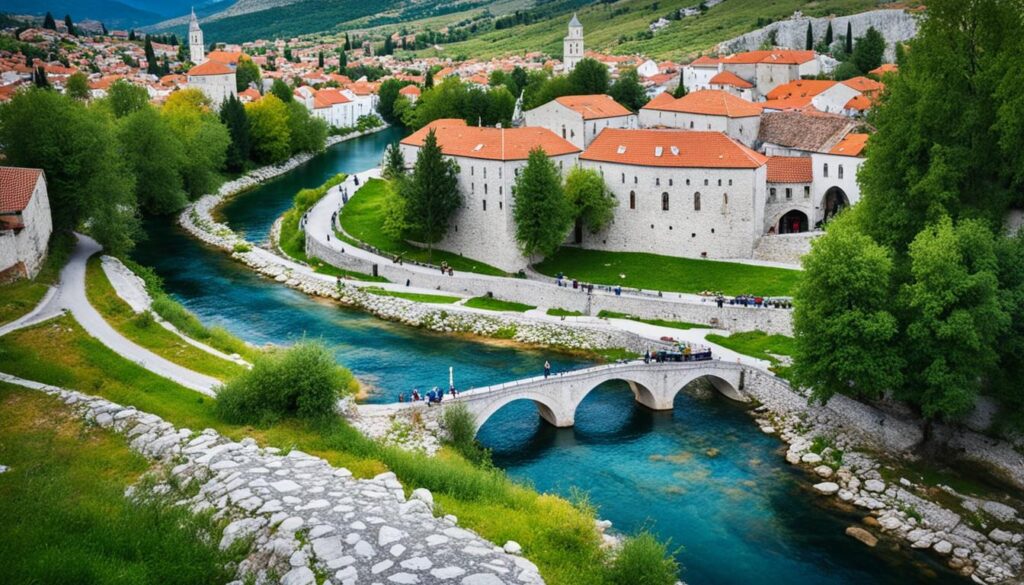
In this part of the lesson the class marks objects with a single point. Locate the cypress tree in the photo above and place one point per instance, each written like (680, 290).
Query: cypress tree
(342, 61)
(49, 23)
(103, 27)
(828, 34)
(432, 194)
(131, 35)
(320, 60)
(429, 81)
(810, 36)
(233, 116)
(542, 212)
(70, 25)
(849, 38)
(39, 78)
(152, 67)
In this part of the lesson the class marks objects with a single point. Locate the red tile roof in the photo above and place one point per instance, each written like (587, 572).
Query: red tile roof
(594, 107)
(730, 78)
(492, 143)
(326, 98)
(227, 57)
(250, 95)
(671, 148)
(800, 88)
(859, 103)
(778, 56)
(864, 85)
(410, 90)
(659, 100)
(884, 68)
(852, 145)
(16, 187)
(789, 169)
(210, 68)
(709, 102)
(705, 62)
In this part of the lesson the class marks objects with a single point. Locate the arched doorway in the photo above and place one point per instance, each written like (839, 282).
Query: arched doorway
(835, 201)
(793, 222)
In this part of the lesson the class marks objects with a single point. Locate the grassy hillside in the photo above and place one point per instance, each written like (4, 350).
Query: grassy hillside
(618, 26)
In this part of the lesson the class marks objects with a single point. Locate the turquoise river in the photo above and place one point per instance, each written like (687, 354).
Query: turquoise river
(703, 475)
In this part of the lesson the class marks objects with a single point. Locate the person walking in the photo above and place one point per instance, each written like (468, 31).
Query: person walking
(647, 356)
(547, 368)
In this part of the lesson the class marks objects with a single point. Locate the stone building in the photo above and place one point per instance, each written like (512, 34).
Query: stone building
(196, 49)
(489, 161)
(572, 45)
(679, 192)
(769, 69)
(25, 222)
(579, 118)
(705, 110)
(215, 79)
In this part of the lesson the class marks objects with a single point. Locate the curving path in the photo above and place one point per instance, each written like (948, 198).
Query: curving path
(69, 295)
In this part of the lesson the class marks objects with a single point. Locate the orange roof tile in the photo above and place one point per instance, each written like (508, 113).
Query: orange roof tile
(800, 88)
(789, 169)
(777, 56)
(16, 187)
(326, 98)
(709, 102)
(705, 62)
(852, 145)
(210, 68)
(730, 78)
(249, 94)
(864, 85)
(594, 107)
(410, 90)
(227, 57)
(884, 68)
(671, 148)
(659, 100)
(793, 103)
(493, 143)
(859, 103)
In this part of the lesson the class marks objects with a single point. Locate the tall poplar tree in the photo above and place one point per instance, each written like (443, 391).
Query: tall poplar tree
(431, 194)
(809, 45)
(49, 22)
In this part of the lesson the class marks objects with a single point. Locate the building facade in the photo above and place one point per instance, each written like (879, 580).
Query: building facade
(705, 110)
(25, 222)
(196, 49)
(580, 118)
(572, 45)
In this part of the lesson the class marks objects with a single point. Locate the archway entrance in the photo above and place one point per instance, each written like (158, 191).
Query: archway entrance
(793, 222)
(835, 201)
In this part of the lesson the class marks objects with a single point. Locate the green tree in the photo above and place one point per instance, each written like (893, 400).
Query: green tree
(387, 93)
(342, 60)
(320, 59)
(828, 35)
(428, 81)
(152, 67)
(844, 323)
(680, 90)
(49, 22)
(849, 38)
(246, 74)
(39, 78)
(155, 155)
(203, 137)
(70, 25)
(77, 86)
(394, 163)
(234, 118)
(845, 70)
(271, 138)
(869, 50)
(431, 194)
(542, 213)
(809, 44)
(627, 90)
(125, 98)
(589, 77)
(280, 89)
(308, 133)
(593, 204)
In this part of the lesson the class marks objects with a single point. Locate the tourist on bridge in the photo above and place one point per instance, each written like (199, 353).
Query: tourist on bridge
(547, 368)
(453, 391)
(647, 356)
(415, 394)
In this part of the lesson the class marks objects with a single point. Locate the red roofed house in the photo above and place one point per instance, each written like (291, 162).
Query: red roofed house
(698, 74)
(411, 93)
(766, 70)
(333, 106)
(25, 222)
(790, 205)
(489, 160)
(215, 79)
(580, 118)
(728, 81)
(706, 109)
(681, 193)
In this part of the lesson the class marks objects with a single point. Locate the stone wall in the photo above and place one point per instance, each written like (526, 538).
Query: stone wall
(785, 248)
(303, 515)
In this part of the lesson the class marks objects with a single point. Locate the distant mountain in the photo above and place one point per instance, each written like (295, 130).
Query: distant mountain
(113, 13)
(174, 8)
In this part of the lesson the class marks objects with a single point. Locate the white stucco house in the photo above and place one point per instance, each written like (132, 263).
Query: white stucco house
(698, 74)
(215, 79)
(580, 118)
(705, 110)
(25, 222)
(769, 69)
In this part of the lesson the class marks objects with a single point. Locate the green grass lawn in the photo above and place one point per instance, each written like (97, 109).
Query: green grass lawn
(66, 519)
(419, 298)
(363, 217)
(658, 322)
(145, 331)
(760, 345)
(555, 312)
(669, 274)
(491, 304)
(321, 267)
(556, 535)
(292, 239)
(19, 297)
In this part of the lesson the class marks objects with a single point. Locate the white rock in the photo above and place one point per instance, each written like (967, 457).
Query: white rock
(423, 495)
(874, 485)
(827, 487)
(417, 564)
(299, 576)
(445, 573)
(291, 524)
(481, 579)
(890, 523)
(387, 535)
(823, 471)
(1000, 536)
(810, 458)
(512, 547)
(328, 548)
(943, 547)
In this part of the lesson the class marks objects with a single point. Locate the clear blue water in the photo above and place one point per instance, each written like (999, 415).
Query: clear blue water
(742, 516)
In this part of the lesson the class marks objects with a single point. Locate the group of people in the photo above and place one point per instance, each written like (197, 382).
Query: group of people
(686, 353)
(445, 269)
(432, 396)
(575, 284)
(748, 300)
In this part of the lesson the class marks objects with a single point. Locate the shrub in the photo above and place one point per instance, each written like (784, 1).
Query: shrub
(303, 381)
(461, 427)
(643, 560)
(144, 320)
(242, 247)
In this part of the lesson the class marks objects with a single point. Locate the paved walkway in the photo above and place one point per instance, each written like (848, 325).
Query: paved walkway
(69, 295)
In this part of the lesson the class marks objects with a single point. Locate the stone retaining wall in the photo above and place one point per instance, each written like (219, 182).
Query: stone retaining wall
(785, 248)
(303, 515)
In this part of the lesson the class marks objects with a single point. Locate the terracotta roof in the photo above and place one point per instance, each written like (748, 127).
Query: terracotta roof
(705, 62)
(594, 107)
(852, 145)
(326, 98)
(793, 103)
(210, 68)
(710, 102)
(493, 143)
(789, 169)
(859, 103)
(884, 68)
(659, 100)
(730, 78)
(864, 85)
(817, 132)
(410, 90)
(227, 57)
(777, 56)
(671, 148)
(799, 88)
(16, 187)
(250, 95)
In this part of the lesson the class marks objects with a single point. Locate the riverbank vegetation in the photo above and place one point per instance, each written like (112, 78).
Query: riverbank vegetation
(492, 304)
(417, 297)
(21, 296)
(66, 519)
(669, 273)
(559, 537)
(143, 329)
(917, 293)
(109, 160)
(758, 344)
(292, 238)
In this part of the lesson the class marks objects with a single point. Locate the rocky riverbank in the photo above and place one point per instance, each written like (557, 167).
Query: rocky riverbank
(303, 516)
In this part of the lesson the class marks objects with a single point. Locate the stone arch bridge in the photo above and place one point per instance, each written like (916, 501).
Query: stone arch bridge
(557, 397)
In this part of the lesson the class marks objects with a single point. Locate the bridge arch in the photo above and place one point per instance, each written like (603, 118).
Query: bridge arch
(724, 387)
(550, 409)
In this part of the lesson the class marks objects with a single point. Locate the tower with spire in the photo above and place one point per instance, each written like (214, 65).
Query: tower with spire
(196, 49)
(572, 47)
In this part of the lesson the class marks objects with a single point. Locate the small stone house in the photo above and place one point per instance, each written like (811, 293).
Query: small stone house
(25, 222)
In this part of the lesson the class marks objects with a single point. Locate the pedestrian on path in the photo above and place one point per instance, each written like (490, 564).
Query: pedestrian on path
(547, 368)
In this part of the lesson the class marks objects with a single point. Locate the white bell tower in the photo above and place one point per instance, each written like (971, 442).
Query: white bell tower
(196, 50)
(572, 48)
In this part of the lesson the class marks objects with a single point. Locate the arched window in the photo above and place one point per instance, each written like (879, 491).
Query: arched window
(664, 201)
(696, 201)
(691, 124)
(826, 169)
(632, 199)
(840, 171)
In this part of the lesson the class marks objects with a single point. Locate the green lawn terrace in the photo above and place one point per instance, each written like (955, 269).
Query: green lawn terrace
(669, 274)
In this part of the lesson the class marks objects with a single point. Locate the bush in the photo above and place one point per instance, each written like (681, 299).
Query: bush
(643, 560)
(303, 381)
(461, 427)
(144, 320)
